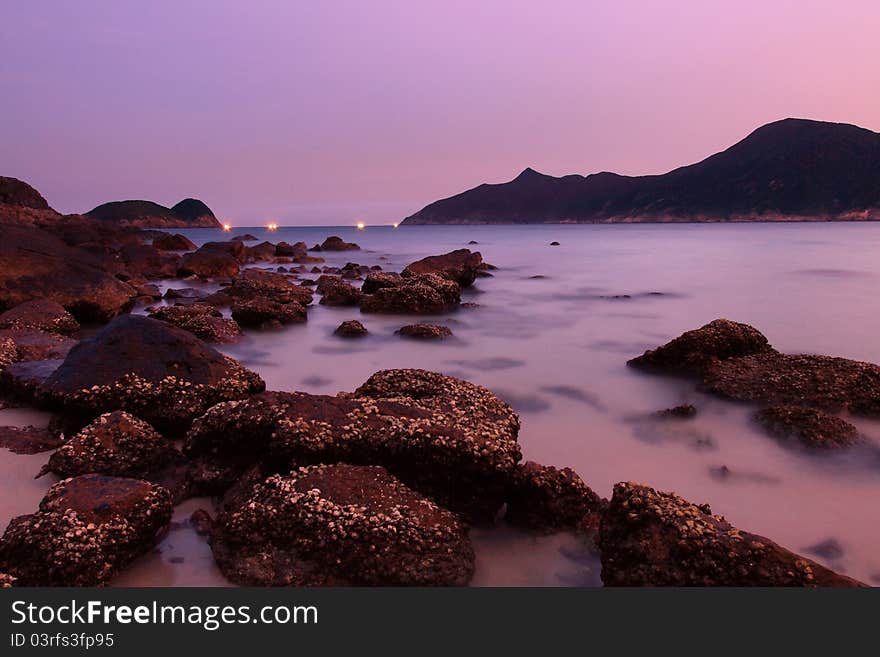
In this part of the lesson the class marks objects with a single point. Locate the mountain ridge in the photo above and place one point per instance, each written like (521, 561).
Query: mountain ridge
(787, 170)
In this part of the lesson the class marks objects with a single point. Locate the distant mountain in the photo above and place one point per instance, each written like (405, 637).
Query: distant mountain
(189, 213)
(789, 170)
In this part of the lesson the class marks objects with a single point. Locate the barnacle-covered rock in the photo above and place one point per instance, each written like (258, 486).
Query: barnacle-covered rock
(808, 426)
(259, 312)
(692, 352)
(652, 538)
(158, 372)
(337, 292)
(40, 315)
(200, 319)
(378, 279)
(447, 438)
(544, 498)
(460, 266)
(19, 345)
(341, 524)
(85, 531)
(425, 331)
(262, 284)
(427, 294)
(116, 444)
(351, 329)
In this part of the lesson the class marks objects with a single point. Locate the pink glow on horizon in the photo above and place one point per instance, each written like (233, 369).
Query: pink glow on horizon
(341, 111)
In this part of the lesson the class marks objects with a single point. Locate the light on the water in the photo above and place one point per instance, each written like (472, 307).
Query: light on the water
(361, 225)
(395, 225)
(272, 226)
(227, 227)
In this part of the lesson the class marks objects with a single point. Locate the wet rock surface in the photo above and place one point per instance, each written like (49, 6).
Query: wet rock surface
(173, 242)
(39, 315)
(86, 529)
(548, 499)
(202, 320)
(158, 372)
(425, 331)
(28, 440)
(378, 279)
(351, 329)
(336, 243)
(261, 312)
(261, 284)
(211, 261)
(807, 426)
(461, 266)
(428, 294)
(692, 352)
(337, 292)
(652, 538)
(341, 525)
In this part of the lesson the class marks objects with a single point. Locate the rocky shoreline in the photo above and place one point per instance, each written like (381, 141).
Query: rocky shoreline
(379, 485)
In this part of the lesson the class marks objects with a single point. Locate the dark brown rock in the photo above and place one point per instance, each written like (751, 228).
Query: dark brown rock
(158, 372)
(424, 331)
(298, 250)
(261, 284)
(28, 440)
(148, 262)
(22, 345)
(651, 538)
(351, 329)
(337, 292)
(547, 499)
(263, 251)
(209, 264)
(335, 243)
(175, 242)
(341, 524)
(460, 266)
(86, 530)
(202, 320)
(39, 314)
(378, 280)
(427, 294)
(807, 426)
(690, 353)
(681, 412)
(260, 312)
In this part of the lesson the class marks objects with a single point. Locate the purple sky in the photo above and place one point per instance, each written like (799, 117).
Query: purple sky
(327, 112)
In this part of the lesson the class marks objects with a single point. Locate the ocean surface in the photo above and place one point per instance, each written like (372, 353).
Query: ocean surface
(553, 331)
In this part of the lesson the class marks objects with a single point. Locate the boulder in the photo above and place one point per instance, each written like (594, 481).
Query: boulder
(422, 295)
(335, 243)
(460, 266)
(298, 250)
(351, 329)
(424, 331)
(341, 525)
(261, 284)
(692, 352)
(18, 193)
(23, 345)
(652, 538)
(202, 320)
(28, 440)
(262, 251)
(41, 315)
(262, 312)
(209, 264)
(824, 382)
(143, 260)
(158, 372)
(547, 499)
(337, 292)
(379, 279)
(680, 412)
(116, 444)
(35, 264)
(85, 531)
(807, 426)
(447, 438)
(175, 242)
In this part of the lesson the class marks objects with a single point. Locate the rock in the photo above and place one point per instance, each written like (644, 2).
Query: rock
(651, 538)
(22, 345)
(18, 193)
(209, 263)
(148, 262)
(690, 353)
(378, 280)
(426, 294)
(7, 581)
(175, 242)
(149, 291)
(247, 237)
(335, 243)
(684, 411)
(341, 524)
(116, 444)
(189, 213)
(86, 530)
(337, 292)
(202, 320)
(261, 251)
(260, 284)
(547, 499)
(449, 439)
(554, 243)
(460, 266)
(824, 382)
(261, 312)
(473, 242)
(35, 265)
(808, 426)
(158, 372)
(351, 329)
(424, 331)
(185, 294)
(27, 440)
(298, 250)
(39, 314)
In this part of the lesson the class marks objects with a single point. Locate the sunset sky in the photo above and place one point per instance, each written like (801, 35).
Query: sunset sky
(327, 112)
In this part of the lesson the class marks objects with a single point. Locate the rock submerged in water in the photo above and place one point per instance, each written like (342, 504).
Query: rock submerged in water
(548, 499)
(86, 529)
(260, 284)
(202, 320)
(116, 444)
(336, 243)
(460, 266)
(807, 426)
(680, 412)
(652, 538)
(424, 331)
(380, 279)
(28, 440)
(262, 312)
(341, 525)
(428, 294)
(337, 292)
(214, 260)
(158, 372)
(351, 329)
(692, 352)
(39, 315)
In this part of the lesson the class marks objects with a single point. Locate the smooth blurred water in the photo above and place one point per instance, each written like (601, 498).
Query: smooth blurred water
(556, 348)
